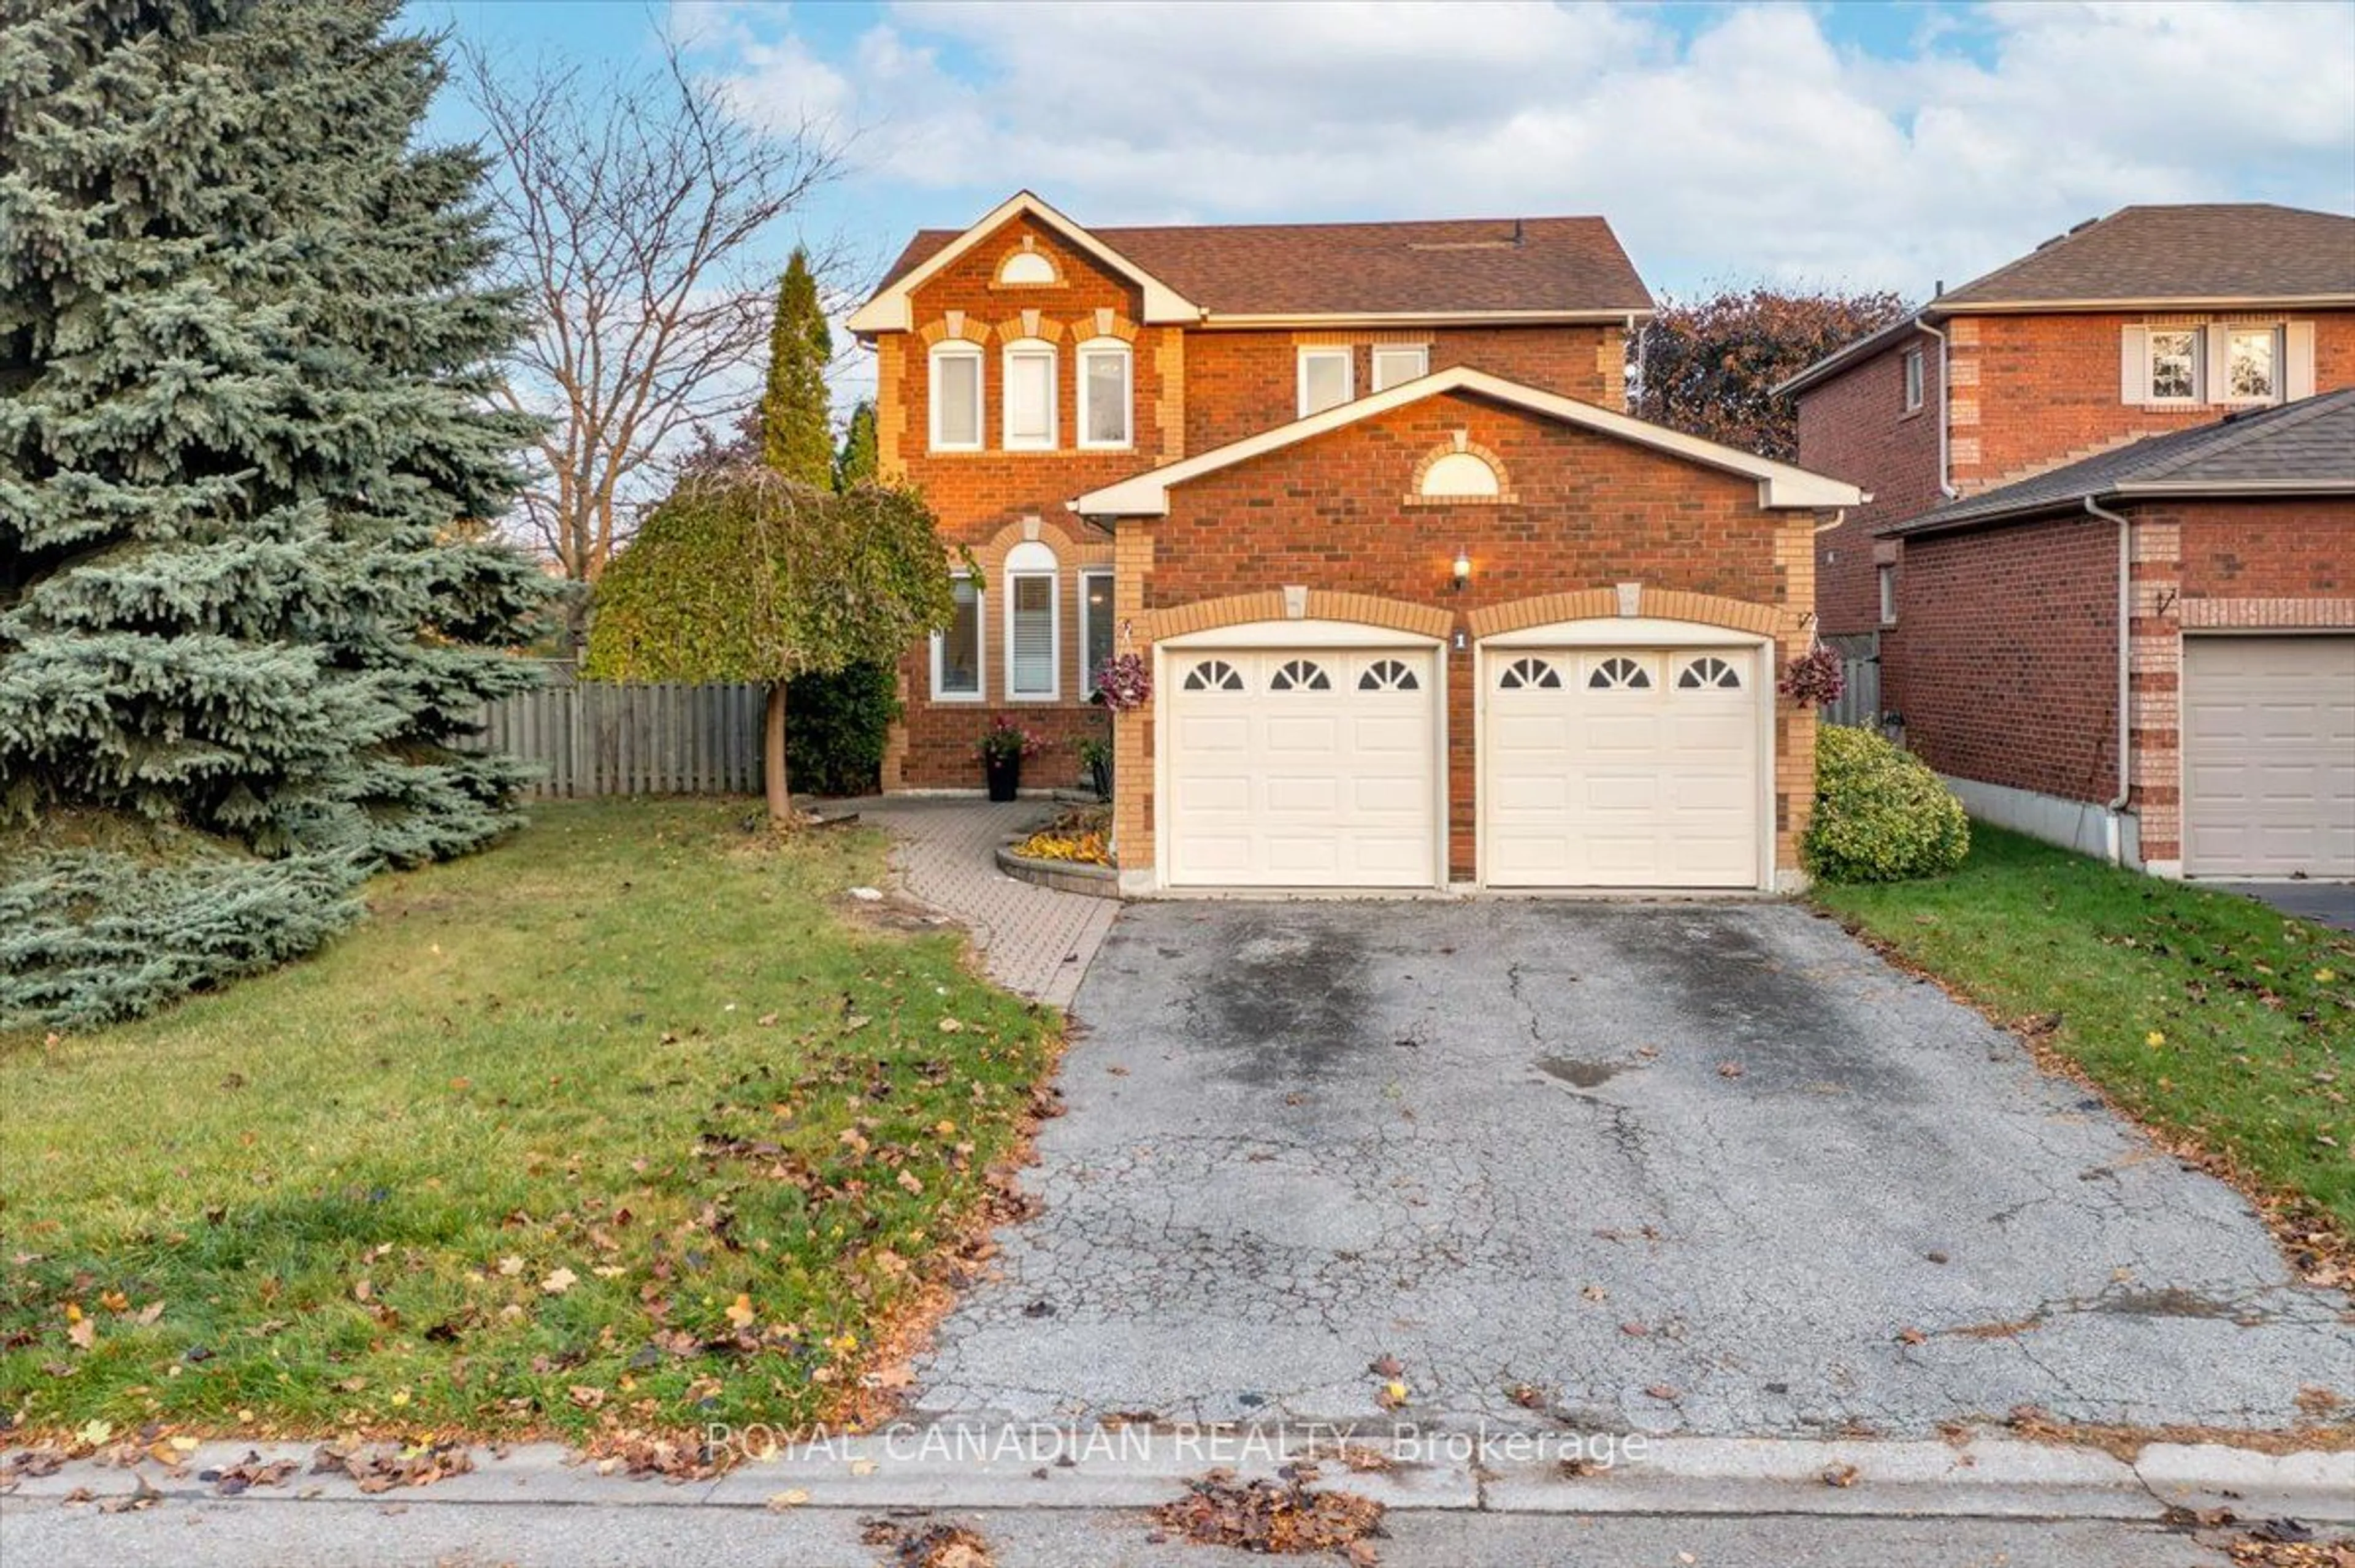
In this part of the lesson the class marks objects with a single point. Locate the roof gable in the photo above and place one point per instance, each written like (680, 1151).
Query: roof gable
(888, 310)
(1780, 485)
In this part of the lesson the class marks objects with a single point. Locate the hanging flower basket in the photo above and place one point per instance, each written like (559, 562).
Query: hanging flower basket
(1815, 678)
(1124, 682)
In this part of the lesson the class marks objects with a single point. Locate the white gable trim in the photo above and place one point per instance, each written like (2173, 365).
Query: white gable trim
(890, 310)
(1780, 485)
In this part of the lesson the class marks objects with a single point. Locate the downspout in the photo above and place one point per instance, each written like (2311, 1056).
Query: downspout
(2114, 837)
(1946, 485)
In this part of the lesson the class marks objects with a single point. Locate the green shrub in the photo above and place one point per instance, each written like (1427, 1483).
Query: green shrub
(89, 936)
(1882, 815)
(835, 729)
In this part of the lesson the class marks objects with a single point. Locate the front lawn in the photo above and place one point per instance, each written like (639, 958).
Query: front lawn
(634, 1123)
(2208, 1016)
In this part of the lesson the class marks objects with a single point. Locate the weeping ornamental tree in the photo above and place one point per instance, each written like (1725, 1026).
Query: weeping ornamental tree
(746, 574)
(247, 609)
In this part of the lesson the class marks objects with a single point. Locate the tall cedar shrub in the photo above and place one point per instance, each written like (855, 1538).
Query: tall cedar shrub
(245, 457)
(1880, 815)
(838, 721)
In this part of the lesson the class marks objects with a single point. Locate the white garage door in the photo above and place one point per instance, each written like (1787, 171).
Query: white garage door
(1621, 767)
(2269, 756)
(1302, 767)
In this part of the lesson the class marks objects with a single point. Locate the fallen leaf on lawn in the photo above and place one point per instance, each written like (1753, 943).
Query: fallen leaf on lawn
(84, 1333)
(380, 1468)
(740, 1311)
(149, 1313)
(1840, 1475)
(362, 1290)
(510, 1265)
(587, 1397)
(249, 1471)
(951, 1026)
(2155, 1039)
(766, 1021)
(560, 1281)
(908, 1179)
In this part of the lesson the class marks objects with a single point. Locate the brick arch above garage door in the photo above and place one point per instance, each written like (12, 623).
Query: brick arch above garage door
(1633, 599)
(1315, 605)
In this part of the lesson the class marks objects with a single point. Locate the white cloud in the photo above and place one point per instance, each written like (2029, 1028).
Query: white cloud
(1755, 147)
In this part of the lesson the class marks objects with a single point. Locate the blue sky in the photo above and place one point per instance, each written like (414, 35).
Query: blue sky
(1882, 146)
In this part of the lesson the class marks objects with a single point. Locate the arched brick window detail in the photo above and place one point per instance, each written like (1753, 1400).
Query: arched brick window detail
(1462, 472)
(1027, 267)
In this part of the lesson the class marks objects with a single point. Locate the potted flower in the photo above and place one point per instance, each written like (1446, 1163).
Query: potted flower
(1096, 755)
(1002, 747)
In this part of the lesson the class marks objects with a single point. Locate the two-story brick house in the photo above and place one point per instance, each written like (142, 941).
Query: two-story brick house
(2109, 553)
(1423, 607)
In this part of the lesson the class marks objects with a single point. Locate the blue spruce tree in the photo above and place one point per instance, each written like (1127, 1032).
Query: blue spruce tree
(248, 602)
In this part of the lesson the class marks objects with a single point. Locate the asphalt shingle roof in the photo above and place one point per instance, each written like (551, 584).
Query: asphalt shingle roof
(1560, 264)
(2217, 251)
(2310, 442)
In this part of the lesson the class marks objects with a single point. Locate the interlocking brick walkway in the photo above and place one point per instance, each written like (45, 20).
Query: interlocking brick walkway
(1032, 939)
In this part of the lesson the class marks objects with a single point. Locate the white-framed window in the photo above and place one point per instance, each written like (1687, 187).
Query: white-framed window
(1912, 364)
(1887, 577)
(1029, 395)
(1025, 268)
(2171, 368)
(1034, 634)
(1465, 474)
(957, 397)
(2253, 365)
(1397, 362)
(1106, 380)
(1328, 378)
(1095, 625)
(957, 651)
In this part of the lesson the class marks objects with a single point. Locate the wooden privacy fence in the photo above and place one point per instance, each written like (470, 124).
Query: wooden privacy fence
(1859, 698)
(597, 738)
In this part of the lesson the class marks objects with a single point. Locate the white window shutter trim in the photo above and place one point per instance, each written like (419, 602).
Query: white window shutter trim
(2297, 361)
(2134, 364)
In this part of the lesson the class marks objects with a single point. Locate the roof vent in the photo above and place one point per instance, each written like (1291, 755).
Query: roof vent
(2081, 228)
(1938, 291)
(1517, 231)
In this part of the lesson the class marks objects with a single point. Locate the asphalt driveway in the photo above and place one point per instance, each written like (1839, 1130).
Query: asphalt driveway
(1697, 1167)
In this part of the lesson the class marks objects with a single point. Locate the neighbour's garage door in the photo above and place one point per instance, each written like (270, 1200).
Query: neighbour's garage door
(2269, 756)
(1302, 767)
(1621, 767)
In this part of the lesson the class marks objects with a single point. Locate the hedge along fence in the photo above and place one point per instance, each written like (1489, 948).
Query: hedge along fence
(601, 737)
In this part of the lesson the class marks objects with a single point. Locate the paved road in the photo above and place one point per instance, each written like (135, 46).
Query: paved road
(1698, 1168)
(253, 1533)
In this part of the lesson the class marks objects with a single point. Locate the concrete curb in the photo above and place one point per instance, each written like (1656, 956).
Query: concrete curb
(1990, 1478)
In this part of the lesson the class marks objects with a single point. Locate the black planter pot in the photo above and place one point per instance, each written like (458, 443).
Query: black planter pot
(1005, 774)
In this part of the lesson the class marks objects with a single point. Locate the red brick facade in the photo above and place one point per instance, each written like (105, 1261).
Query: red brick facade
(1588, 512)
(2003, 662)
(2028, 392)
(1192, 389)
(1857, 428)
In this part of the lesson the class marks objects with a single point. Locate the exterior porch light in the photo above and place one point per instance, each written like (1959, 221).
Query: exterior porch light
(1462, 573)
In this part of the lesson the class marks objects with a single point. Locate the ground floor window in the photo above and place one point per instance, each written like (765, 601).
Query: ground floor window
(1095, 626)
(957, 650)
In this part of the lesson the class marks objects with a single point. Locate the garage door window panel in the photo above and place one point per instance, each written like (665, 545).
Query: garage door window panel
(1300, 675)
(1619, 673)
(1214, 675)
(1709, 673)
(1529, 673)
(1388, 675)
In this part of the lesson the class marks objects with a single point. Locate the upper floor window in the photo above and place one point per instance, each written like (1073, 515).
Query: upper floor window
(2251, 365)
(1104, 393)
(1397, 362)
(957, 397)
(1328, 379)
(2171, 365)
(1029, 395)
(1033, 639)
(1912, 363)
(1026, 267)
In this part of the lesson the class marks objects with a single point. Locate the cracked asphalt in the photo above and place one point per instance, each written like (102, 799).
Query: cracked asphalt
(1710, 1168)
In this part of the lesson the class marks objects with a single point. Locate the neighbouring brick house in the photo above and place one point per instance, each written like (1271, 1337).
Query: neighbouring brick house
(1423, 607)
(2106, 560)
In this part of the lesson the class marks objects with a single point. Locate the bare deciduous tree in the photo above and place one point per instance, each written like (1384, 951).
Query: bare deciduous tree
(635, 209)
